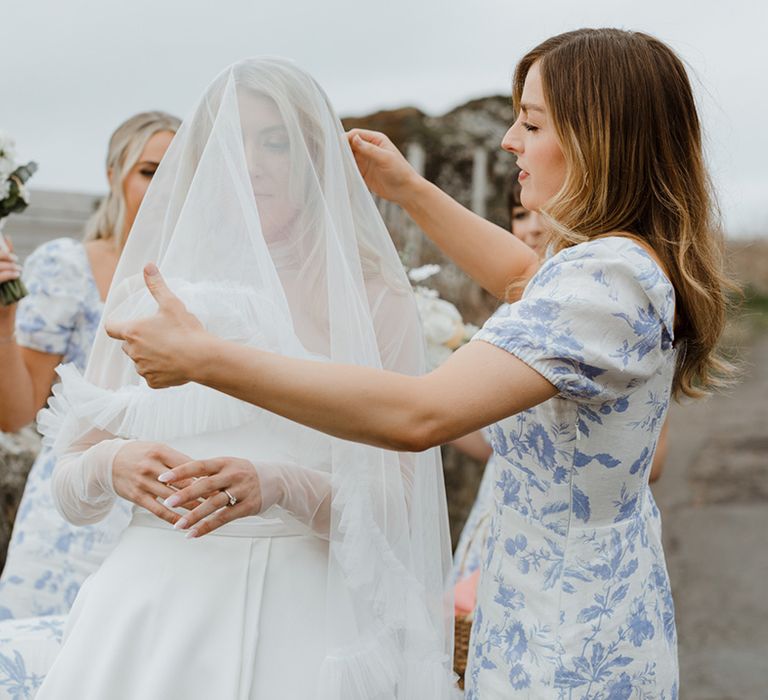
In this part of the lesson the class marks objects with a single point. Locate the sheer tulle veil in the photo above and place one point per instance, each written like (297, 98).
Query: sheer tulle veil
(261, 223)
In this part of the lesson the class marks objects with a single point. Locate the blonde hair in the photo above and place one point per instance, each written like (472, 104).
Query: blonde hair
(125, 148)
(624, 113)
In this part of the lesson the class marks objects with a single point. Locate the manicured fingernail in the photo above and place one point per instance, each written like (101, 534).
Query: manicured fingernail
(181, 524)
(192, 534)
(172, 501)
(165, 477)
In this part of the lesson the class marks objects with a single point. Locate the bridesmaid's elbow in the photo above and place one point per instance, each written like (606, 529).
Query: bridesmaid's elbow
(421, 432)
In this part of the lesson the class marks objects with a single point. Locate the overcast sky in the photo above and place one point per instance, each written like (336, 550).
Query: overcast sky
(71, 70)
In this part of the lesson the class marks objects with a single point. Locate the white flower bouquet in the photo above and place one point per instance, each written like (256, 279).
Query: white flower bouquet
(14, 198)
(444, 329)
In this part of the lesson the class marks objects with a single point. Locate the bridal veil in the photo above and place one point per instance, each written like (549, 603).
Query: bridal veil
(261, 223)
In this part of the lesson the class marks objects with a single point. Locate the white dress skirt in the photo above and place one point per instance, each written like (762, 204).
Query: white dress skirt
(238, 614)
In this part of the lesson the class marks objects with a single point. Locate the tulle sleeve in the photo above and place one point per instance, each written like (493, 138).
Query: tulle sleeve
(82, 479)
(81, 483)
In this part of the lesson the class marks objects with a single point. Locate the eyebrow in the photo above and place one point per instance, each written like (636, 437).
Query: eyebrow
(271, 129)
(526, 107)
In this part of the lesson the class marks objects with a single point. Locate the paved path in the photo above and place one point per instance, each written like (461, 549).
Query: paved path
(714, 501)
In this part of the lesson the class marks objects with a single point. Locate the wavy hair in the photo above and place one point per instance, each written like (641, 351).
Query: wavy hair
(626, 118)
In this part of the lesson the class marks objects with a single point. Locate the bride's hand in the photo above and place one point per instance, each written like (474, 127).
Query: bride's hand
(135, 472)
(164, 346)
(384, 169)
(216, 480)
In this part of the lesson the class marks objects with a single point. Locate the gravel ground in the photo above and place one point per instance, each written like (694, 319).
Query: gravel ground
(714, 502)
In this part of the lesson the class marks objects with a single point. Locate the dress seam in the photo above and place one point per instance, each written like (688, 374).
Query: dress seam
(566, 548)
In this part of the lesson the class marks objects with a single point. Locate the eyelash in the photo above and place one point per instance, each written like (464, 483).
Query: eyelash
(147, 173)
(530, 127)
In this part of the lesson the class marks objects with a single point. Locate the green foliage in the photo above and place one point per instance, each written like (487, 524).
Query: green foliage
(15, 202)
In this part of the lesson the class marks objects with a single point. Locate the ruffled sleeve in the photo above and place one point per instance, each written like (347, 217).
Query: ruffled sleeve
(55, 276)
(596, 320)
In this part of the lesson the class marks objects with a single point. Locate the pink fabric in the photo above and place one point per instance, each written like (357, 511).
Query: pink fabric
(465, 594)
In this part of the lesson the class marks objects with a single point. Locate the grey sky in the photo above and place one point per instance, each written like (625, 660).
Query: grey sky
(73, 69)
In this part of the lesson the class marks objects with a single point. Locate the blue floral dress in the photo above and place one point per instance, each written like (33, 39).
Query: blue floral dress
(48, 558)
(574, 600)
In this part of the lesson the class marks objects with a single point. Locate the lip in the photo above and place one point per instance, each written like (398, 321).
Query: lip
(523, 176)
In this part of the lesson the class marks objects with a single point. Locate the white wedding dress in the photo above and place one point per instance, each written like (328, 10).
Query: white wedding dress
(237, 614)
(262, 226)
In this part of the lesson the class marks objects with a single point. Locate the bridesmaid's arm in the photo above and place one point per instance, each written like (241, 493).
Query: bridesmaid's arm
(487, 253)
(478, 385)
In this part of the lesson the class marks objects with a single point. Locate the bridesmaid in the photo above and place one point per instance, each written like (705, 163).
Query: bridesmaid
(575, 378)
(48, 558)
(527, 226)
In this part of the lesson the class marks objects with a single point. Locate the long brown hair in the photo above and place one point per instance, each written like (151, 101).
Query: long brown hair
(625, 115)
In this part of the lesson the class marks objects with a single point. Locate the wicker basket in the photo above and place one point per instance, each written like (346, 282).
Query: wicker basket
(462, 630)
(463, 625)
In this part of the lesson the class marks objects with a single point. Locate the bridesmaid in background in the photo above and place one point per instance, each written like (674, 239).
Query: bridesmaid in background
(48, 559)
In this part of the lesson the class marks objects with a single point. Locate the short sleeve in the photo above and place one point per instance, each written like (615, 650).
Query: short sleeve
(55, 277)
(596, 321)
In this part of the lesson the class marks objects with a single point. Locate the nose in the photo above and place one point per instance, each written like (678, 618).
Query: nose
(510, 142)
(536, 222)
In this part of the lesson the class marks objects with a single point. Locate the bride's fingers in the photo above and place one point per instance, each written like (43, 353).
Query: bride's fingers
(202, 488)
(162, 492)
(210, 505)
(190, 470)
(156, 489)
(223, 516)
(178, 486)
(157, 508)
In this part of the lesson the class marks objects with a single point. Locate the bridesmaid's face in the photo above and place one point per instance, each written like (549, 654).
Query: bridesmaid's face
(528, 227)
(533, 140)
(268, 155)
(137, 180)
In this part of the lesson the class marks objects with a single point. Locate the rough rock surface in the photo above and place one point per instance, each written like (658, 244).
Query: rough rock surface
(17, 452)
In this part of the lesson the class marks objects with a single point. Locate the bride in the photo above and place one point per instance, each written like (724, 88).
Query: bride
(262, 225)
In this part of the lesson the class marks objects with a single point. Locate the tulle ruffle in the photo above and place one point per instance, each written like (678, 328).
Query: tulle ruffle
(137, 412)
(401, 660)
(375, 670)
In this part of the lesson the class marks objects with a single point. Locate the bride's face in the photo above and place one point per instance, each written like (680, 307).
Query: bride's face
(268, 154)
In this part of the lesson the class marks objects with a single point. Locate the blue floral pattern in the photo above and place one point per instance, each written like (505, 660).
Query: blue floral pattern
(27, 650)
(467, 558)
(574, 601)
(48, 558)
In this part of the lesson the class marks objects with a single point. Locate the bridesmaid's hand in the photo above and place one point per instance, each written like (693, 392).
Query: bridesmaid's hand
(164, 347)
(384, 169)
(9, 270)
(135, 472)
(215, 480)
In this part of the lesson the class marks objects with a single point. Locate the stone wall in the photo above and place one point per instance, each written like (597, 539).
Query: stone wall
(17, 452)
